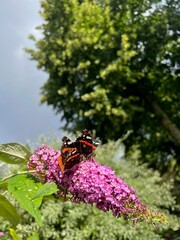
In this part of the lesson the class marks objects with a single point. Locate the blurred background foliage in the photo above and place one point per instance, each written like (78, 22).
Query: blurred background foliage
(66, 220)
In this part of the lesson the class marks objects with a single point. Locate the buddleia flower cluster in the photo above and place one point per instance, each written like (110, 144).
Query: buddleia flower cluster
(94, 184)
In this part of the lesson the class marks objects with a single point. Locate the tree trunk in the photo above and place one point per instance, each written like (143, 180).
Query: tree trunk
(170, 127)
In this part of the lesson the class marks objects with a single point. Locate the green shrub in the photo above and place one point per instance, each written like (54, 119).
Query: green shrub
(68, 221)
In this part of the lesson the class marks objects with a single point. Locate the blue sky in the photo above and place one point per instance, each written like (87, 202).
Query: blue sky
(22, 118)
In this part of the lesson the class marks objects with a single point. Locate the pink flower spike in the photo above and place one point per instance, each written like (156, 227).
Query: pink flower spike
(44, 161)
(91, 183)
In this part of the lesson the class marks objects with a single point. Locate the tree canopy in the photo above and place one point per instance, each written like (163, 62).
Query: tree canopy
(113, 66)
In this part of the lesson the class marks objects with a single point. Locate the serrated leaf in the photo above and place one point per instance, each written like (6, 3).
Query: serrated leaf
(46, 189)
(8, 211)
(13, 234)
(14, 153)
(24, 188)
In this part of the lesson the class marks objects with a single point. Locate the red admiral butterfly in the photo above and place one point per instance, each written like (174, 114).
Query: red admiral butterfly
(75, 152)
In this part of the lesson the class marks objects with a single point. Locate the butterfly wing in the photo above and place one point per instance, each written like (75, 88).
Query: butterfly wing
(73, 153)
(69, 154)
(85, 145)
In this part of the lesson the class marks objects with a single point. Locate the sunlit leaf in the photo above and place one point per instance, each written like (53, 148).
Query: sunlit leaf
(13, 234)
(8, 211)
(14, 153)
(34, 237)
(3, 185)
(24, 189)
(46, 189)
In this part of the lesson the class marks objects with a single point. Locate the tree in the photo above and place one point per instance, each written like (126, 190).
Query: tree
(113, 66)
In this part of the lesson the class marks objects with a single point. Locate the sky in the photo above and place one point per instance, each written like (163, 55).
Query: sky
(22, 118)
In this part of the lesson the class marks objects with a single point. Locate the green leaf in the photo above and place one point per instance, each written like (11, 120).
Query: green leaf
(24, 188)
(13, 234)
(46, 189)
(3, 185)
(8, 211)
(1, 182)
(14, 153)
(34, 237)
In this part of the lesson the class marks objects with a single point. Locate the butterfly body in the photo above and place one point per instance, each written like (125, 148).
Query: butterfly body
(75, 152)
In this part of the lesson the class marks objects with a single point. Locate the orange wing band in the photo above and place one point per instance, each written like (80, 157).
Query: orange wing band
(76, 155)
(89, 144)
(67, 149)
(61, 165)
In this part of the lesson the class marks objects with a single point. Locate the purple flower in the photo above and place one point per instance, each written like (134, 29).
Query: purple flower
(44, 162)
(93, 184)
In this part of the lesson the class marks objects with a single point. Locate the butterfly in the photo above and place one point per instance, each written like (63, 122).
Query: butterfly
(75, 152)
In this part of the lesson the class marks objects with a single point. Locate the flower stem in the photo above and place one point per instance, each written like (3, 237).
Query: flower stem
(13, 175)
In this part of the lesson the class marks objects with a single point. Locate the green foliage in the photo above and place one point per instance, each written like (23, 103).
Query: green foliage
(13, 234)
(28, 192)
(51, 139)
(34, 237)
(46, 189)
(24, 189)
(110, 64)
(14, 153)
(66, 220)
(8, 211)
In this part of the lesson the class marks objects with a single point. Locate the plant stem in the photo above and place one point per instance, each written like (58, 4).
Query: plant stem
(13, 175)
